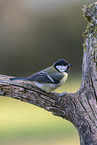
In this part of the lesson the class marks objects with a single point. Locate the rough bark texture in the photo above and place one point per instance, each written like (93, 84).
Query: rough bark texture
(81, 107)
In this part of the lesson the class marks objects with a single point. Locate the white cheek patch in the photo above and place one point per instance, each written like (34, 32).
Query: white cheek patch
(61, 68)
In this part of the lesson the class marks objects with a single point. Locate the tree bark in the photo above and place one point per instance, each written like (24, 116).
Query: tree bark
(80, 108)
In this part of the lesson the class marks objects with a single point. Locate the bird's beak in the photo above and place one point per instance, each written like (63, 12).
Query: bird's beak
(71, 65)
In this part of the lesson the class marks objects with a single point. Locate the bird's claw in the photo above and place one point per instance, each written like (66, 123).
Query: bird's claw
(60, 95)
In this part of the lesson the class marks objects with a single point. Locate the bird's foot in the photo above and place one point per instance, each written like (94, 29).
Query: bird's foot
(60, 95)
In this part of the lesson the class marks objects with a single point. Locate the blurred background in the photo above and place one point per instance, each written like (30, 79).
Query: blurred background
(34, 34)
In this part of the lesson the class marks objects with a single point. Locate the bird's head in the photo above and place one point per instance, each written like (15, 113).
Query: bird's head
(62, 65)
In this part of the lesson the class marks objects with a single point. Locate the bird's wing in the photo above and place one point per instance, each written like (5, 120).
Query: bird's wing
(43, 77)
(57, 77)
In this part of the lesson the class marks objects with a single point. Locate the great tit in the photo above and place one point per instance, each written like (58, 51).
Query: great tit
(50, 78)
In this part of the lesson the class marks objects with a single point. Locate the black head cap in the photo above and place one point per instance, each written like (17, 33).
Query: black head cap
(61, 62)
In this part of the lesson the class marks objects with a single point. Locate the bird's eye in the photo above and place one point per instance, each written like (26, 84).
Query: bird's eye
(62, 68)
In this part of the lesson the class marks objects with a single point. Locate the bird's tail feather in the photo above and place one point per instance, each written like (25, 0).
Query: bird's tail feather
(19, 78)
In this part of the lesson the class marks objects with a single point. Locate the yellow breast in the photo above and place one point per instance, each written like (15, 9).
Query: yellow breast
(64, 78)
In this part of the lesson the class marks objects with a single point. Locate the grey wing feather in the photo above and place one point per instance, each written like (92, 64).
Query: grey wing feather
(40, 77)
(57, 77)
(43, 77)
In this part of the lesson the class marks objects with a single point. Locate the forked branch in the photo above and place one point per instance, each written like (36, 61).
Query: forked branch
(81, 107)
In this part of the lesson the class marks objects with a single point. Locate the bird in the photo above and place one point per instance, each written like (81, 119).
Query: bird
(50, 78)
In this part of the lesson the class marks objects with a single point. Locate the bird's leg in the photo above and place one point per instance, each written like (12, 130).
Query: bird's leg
(60, 95)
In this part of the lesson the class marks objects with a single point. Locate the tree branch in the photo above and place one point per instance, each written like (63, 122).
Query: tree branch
(81, 107)
(28, 92)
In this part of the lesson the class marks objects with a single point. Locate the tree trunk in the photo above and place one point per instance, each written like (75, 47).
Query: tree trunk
(80, 108)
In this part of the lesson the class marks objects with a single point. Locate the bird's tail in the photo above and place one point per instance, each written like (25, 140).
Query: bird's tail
(19, 78)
